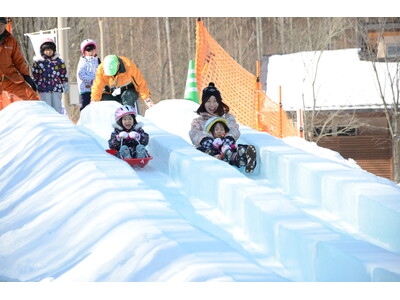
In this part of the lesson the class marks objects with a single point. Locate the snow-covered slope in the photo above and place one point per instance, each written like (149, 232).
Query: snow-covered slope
(71, 212)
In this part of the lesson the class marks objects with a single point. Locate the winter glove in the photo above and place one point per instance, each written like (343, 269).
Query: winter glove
(29, 81)
(217, 143)
(207, 142)
(66, 87)
(224, 148)
(123, 135)
(148, 102)
(134, 135)
(228, 140)
(116, 92)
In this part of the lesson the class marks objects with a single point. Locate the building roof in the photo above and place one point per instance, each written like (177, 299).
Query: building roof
(341, 80)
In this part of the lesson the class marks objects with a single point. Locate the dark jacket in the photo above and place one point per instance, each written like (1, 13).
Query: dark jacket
(49, 74)
(115, 143)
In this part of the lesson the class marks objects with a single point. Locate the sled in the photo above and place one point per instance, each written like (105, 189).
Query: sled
(133, 162)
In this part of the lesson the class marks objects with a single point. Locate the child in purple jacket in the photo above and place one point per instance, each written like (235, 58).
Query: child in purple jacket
(50, 75)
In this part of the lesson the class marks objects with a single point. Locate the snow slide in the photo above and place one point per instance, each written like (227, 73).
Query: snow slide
(69, 211)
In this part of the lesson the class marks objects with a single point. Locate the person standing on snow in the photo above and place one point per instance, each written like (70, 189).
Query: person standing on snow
(50, 74)
(86, 71)
(212, 106)
(14, 73)
(119, 79)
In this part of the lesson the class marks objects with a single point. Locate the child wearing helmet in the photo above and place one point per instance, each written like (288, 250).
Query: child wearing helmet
(128, 137)
(86, 70)
(218, 147)
(50, 75)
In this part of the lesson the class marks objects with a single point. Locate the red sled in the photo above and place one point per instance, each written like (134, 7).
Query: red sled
(133, 162)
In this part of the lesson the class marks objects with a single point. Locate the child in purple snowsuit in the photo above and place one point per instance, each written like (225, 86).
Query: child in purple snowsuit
(128, 137)
(50, 75)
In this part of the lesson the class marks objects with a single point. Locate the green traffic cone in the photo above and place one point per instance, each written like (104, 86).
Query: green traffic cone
(191, 91)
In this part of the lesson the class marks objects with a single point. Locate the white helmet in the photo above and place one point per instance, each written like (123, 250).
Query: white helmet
(85, 43)
(124, 110)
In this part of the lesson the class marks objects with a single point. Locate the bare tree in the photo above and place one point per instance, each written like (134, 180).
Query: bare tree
(387, 73)
(318, 123)
(169, 51)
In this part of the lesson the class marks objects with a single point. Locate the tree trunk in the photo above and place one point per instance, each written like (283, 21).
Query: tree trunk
(396, 147)
(101, 26)
(189, 38)
(282, 33)
(171, 68)
(310, 44)
(160, 58)
(259, 38)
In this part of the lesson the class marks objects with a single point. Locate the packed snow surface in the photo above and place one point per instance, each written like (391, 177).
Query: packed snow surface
(69, 211)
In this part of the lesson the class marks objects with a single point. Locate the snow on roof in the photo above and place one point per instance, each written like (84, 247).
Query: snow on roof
(341, 79)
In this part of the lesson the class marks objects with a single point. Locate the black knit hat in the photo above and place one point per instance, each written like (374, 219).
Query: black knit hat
(3, 20)
(209, 91)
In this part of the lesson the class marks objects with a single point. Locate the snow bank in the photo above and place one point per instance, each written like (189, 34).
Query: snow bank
(71, 212)
(317, 183)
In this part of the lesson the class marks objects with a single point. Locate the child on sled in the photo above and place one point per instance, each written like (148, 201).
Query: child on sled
(128, 137)
(223, 149)
(213, 107)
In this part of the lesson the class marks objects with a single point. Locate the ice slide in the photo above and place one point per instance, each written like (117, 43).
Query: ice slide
(69, 211)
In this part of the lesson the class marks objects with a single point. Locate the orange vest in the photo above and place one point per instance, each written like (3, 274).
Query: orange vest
(128, 73)
(12, 63)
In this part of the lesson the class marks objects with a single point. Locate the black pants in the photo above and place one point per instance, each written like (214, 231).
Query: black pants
(127, 97)
(85, 99)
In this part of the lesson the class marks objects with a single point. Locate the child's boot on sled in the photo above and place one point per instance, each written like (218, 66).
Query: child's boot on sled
(124, 152)
(227, 155)
(141, 151)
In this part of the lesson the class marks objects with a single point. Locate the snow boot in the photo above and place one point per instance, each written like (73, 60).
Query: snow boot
(141, 151)
(226, 156)
(241, 158)
(251, 156)
(210, 152)
(125, 153)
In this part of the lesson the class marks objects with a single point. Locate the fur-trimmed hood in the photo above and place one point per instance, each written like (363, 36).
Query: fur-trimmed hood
(41, 58)
(136, 127)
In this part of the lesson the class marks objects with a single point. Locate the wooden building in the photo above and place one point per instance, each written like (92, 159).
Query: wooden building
(326, 82)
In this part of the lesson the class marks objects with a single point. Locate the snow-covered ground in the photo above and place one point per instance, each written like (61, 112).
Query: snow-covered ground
(71, 212)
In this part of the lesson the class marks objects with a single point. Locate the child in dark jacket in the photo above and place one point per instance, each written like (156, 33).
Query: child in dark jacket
(218, 147)
(50, 75)
(128, 137)
(213, 106)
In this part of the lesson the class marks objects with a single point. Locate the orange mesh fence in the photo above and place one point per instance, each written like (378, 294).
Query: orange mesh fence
(240, 89)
